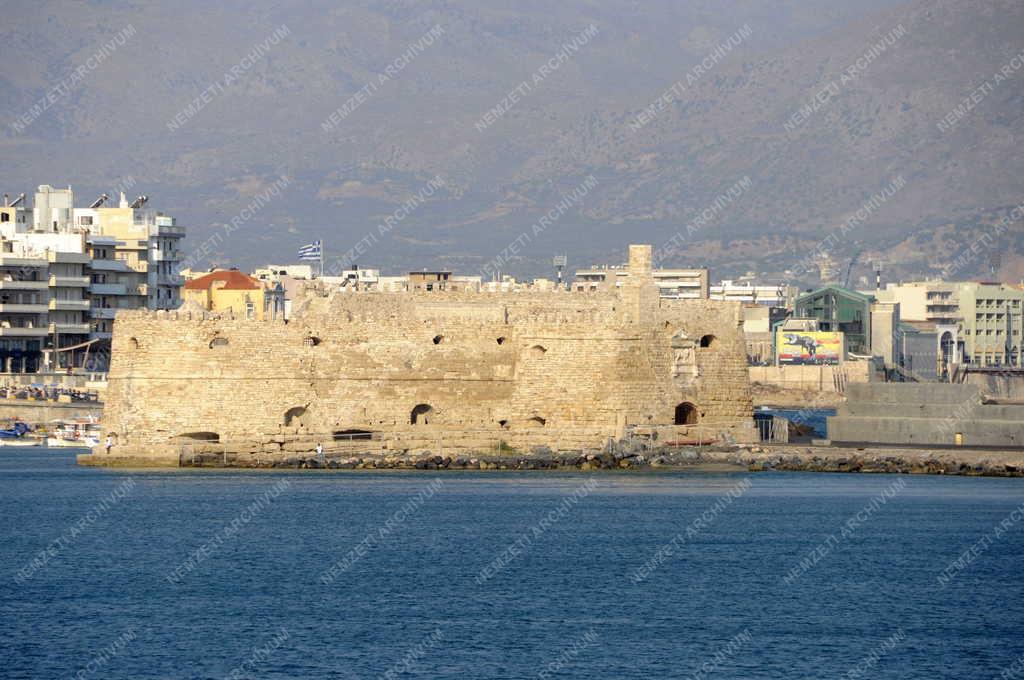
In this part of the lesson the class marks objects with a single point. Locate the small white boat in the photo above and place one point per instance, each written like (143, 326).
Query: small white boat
(80, 433)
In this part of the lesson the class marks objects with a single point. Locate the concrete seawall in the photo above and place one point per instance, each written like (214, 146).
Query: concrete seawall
(926, 414)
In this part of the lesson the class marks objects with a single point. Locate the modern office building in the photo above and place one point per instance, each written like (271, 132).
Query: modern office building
(981, 323)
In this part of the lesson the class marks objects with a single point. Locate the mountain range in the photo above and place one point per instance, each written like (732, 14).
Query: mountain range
(661, 107)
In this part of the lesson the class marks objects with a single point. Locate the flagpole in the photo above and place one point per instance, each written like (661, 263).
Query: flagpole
(321, 258)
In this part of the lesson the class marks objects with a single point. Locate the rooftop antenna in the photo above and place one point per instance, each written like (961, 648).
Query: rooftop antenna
(878, 273)
(559, 262)
(99, 201)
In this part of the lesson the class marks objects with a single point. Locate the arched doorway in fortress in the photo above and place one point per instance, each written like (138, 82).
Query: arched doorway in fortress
(686, 414)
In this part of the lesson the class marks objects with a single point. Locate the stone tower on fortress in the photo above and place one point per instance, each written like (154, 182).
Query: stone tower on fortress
(377, 372)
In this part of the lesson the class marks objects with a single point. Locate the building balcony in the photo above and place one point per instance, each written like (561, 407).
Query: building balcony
(108, 289)
(17, 308)
(167, 230)
(170, 280)
(23, 262)
(23, 332)
(70, 281)
(109, 265)
(23, 285)
(101, 335)
(64, 327)
(69, 258)
(165, 255)
(69, 305)
(103, 312)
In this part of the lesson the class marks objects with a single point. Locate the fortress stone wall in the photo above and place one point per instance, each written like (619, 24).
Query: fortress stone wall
(439, 371)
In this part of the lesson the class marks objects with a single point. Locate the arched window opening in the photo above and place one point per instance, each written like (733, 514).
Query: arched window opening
(503, 424)
(536, 351)
(421, 414)
(133, 343)
(311, 341)
(293, 416)
(218, 342)
(501, 340)
(686, 414)
(708, 341)
(536, 421)
(438, 339)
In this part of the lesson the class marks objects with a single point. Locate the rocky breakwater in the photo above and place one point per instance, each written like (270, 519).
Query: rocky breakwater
(538, 459)
(920, 461)
(628, 455)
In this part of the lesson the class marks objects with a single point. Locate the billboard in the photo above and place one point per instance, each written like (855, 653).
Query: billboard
(808, 347)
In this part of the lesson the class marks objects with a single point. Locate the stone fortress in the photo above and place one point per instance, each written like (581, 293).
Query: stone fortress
(440, 371)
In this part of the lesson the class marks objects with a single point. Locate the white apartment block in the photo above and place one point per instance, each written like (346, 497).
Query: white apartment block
(66, 271)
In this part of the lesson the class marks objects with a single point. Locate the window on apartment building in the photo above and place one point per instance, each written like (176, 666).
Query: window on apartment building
(85, 220)
(5, 217)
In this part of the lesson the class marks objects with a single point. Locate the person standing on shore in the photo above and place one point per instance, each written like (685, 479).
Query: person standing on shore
(108, 444)
(319, 452)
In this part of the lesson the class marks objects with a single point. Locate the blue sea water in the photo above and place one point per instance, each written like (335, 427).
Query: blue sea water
(117, 598)
(814, 418)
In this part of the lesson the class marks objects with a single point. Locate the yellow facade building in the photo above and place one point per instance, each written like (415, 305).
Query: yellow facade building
(230, 290)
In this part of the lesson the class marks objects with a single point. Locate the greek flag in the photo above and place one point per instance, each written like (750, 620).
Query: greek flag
(311, 251)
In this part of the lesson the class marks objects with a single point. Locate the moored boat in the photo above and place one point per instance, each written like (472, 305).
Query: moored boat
(76, 433)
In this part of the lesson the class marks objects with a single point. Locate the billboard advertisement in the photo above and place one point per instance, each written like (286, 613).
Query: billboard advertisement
(808, 347)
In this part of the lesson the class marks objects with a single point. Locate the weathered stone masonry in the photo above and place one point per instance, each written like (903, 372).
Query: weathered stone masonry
(437, 371)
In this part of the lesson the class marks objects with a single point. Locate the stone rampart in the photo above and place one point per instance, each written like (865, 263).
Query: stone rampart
(420, 371)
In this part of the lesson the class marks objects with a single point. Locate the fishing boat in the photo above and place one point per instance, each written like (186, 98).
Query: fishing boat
(78, 433)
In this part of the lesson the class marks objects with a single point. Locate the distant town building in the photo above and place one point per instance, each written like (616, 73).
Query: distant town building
(429, 280)
(690, 284)
(274, 272)
(246, 297)
(748, 292)
(839, 309)
(983, 321)
(758, 322)
(93, 261)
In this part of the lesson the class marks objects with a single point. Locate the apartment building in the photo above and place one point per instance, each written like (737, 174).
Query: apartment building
(147, 242)
(750, 293)
(679, 284)
(43, 301)
(65, 271)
